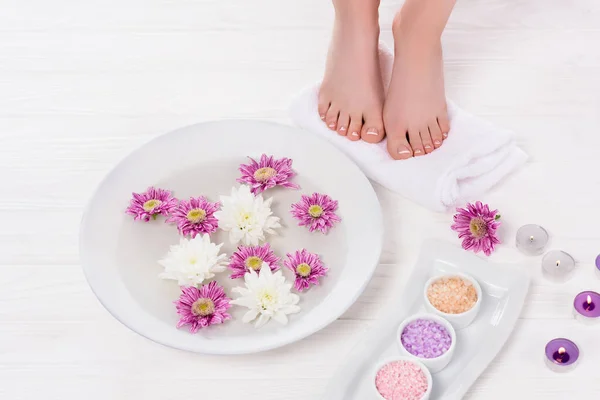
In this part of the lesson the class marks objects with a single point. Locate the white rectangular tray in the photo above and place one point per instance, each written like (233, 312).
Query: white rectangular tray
(504, 289)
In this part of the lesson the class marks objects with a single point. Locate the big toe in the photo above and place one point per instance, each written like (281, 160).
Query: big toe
(372, 130)
(398, 146)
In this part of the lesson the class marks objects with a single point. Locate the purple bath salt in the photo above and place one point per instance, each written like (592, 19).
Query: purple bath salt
(425, 338)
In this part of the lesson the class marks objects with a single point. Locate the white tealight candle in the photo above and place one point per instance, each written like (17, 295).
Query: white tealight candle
(558, 266)
(531, 239)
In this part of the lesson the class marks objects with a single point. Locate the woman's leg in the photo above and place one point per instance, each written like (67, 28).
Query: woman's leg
(351, 95)
(415, 114)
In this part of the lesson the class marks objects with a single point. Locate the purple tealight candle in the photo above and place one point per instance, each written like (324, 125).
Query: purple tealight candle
(598, 266)
(561, 355)
(586, 307)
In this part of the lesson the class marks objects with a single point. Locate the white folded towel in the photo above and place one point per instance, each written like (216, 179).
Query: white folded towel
(475, 156)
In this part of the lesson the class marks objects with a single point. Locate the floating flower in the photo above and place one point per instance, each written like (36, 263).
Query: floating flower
(195, 216)
(476, 226)
(317, 212)
(267, 295)
(193, 260)
(202, 307)
(252, 257)
(246, 217)
(267, 173)
(307, 267)
(151, 204)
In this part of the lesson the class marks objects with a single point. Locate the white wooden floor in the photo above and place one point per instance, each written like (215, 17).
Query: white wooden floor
(83, 83)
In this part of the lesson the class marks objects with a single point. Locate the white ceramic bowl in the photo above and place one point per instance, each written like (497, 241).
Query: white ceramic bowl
(412, 360)
(433, 364)
(458, 321)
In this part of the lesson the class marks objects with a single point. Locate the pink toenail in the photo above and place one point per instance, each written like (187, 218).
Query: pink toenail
(428, 147)
(354, 133)
(343, 128)
(322, 117)
(437, 142)
(331, 125)
(403, 151)
(372, 131)
(418, 151)
(445, 134)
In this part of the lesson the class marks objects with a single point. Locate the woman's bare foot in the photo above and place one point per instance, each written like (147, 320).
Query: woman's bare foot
(351, 95)
(415, 113)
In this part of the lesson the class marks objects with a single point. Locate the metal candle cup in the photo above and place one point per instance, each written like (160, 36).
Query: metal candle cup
(558, 266)
(531, 239)
(586, 307)
(562, 355)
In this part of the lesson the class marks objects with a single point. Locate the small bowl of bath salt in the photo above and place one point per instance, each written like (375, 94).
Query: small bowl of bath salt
(454, 297)
(402, 378)
(428, 338)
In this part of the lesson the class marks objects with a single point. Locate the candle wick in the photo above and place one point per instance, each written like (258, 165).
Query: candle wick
(562, 350)
(531, 238)
(558, 263)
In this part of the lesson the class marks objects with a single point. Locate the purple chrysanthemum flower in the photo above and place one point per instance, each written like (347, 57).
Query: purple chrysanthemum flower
(202, 307)
(307, 267)
(195, 216)
(252, 257)
(317, 212)
(151, 203)
(267, 173)
(476, 226)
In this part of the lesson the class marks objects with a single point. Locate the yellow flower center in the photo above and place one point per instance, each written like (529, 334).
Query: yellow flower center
(150, 205)
(267, 299)
(264, 174)
(478, 228)
(303, 270)
(196, 215)
(193, 260)
(254, 262)
(203, 307)
(315, 211)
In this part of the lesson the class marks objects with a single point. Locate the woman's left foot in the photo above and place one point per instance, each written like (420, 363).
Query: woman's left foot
(415, 113)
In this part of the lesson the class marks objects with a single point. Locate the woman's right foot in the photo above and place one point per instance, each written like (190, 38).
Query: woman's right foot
(351, 94)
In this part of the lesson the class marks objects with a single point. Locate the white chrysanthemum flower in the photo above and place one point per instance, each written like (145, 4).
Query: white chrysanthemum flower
(246, 217)
(192, 261)
(267, 295)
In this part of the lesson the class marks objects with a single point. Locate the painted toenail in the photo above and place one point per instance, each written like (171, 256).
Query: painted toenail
(372, 131)
(343, 128)
(354, 133)
(403, 151)
(445, 134)
(418, 151)
(437, 142)
(331, 125)
(322, 117)
(428, 147)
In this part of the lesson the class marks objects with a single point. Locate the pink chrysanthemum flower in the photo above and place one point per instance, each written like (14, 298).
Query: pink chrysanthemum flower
(307, 267)
(317, 212)
(476, 226)
(151, 204)
(267, 173)
(252, 257)
(202, 307)
(195, 216)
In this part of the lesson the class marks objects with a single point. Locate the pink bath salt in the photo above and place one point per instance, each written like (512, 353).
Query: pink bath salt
(401, 380)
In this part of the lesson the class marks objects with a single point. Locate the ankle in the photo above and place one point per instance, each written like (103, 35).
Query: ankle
(410, 28)
(364, 12)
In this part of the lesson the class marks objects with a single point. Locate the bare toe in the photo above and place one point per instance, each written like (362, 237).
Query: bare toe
(436, 134)
(372, 130)
(331, 117)
(444, 125)
(323, 106)
(398, 146)
(415, 142)
(343, 123)
(355, 127)
(426, 139)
